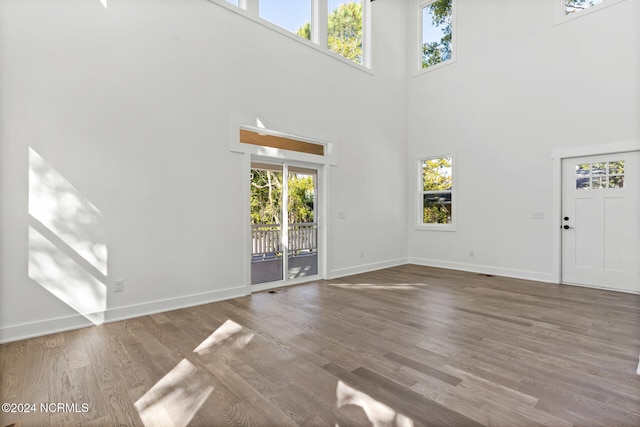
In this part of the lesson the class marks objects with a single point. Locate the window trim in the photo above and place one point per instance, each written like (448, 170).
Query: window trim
(249, 10)
(419, 211)
(418, 49)
(560, 18)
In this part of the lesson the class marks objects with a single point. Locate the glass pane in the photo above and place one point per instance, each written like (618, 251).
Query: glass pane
(599, 168)
(266, 214)
(573, 6)
(582, 176)
(616, 168)
(345, 29)
(436, 208)
(582, 183)
(233, 2)
(616, 181)
(599, 182)
(437, 174)
(583, 169)
(436, 33)
(292, 15)
(303, 230)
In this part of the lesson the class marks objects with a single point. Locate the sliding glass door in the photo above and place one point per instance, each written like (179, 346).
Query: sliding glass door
(284, 228)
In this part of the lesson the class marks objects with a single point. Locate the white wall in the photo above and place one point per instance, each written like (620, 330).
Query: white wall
(521, 87)
(132, 104)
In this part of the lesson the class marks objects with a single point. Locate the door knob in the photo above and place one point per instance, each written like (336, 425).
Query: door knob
(566, 227)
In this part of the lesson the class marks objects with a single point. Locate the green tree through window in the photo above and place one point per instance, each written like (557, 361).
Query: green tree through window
(437, 34)
(266, 197)
(344, 31)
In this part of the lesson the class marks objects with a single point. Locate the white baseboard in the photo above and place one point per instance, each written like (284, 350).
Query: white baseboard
(365, 268)
(626, 291)
(483, 269)
(51, 326)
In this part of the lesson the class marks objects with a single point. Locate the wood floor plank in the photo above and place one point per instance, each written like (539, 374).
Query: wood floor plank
(407, 344)
(12, 367)
(425, 369)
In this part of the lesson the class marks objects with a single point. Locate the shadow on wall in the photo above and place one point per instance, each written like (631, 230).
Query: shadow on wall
(67, 242)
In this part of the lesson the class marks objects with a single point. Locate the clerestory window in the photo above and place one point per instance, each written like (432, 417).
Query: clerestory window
(339, 26)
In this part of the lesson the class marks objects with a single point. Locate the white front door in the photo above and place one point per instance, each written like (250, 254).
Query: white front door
(601, 221)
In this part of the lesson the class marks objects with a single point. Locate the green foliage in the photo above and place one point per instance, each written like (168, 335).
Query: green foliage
(616, 167)
(436, 174)
(266, 197)
(344, 31)
(305, 31)
(436, 214)
(438, 51)
(300, 198)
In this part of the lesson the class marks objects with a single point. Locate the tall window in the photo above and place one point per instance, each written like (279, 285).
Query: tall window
(437, 197)
(437, 32)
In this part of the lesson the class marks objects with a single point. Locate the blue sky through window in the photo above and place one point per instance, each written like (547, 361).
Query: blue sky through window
(288, 14)
(333, 4)
(430, 33)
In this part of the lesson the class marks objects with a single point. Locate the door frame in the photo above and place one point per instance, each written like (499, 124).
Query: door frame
(558, 155)
(269, 154)
(320, 214)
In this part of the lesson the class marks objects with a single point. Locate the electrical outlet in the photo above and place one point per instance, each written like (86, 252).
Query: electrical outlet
(472, 253)
(119, 285)
(361, 254)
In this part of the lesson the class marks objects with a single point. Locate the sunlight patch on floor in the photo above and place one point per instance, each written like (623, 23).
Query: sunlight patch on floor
(379, 414)
(175, 399)
(229, 332)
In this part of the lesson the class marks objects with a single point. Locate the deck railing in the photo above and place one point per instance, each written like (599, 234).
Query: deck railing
(267, 238)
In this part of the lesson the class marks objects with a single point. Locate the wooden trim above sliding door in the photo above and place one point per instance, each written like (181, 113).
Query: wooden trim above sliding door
(281, 142)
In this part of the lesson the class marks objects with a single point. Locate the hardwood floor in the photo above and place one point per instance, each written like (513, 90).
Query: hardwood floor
(403, 346)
